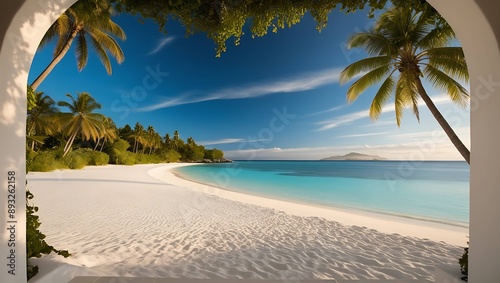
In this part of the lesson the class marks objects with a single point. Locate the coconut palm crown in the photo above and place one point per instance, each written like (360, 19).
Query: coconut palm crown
(405, 47)
(86, 22)
(80, 120)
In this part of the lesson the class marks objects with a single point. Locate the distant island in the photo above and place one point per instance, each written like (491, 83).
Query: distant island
(355, 156)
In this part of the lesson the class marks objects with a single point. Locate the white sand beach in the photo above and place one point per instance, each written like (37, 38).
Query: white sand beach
(143, 221)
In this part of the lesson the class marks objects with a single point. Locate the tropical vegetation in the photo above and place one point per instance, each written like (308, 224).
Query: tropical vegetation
(82, 137)
(405, 47)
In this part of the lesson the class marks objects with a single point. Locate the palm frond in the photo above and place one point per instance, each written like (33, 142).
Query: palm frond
(383, 94)
(57, 29)
(437, 37)
(114, 29)
(363, 65)
(450, 60)
(38, 139)
(441, 80)
(91, 127)
(81, 51)
(109, 43)
(66, 104)
(367, 80)
(405, 96)
(103, 56)
(375, 44)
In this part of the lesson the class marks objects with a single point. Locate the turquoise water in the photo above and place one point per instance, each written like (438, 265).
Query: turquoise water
(428, 190)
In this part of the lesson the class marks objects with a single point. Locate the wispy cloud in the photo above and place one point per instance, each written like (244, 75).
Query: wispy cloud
(333, 109)
(355, 116)
(231, 140)
(363, 135)
(161, 44)
(302, 82)
(342, 120)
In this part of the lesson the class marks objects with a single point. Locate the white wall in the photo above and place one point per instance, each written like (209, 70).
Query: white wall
(477, 24)
(481, 47)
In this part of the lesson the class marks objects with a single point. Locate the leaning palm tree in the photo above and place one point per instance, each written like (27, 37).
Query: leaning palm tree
(404, 48)
(85, 21)
(80, 121)
(41, 120)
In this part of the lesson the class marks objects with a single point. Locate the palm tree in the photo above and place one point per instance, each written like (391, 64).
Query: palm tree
(153, 139)
(80, 120)
(405, 47)
(176, 142)
(139, 137)
(85, 21)
(41, 118)
(109, 133)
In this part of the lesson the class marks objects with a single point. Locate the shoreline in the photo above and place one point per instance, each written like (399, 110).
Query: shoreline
(143, 221)
(383, 222)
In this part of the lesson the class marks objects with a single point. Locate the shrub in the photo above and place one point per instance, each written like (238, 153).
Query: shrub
(99, 158)
(122, 157)
(141, 158)
(170, 156)
(44, 161)
(121, 145)
(76, 159)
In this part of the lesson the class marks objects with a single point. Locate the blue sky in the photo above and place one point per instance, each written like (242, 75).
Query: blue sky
(275, 97)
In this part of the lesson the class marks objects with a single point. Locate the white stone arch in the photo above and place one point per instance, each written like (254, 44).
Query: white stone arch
(23, 23)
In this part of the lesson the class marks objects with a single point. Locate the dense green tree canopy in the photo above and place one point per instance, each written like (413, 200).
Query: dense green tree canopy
(222, 20)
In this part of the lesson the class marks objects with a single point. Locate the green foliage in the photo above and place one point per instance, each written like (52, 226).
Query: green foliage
(141, 158)
(44, 161)
(121, 145)
(35, 240)
(76, 159)
(98, 158)
(169, 155)
(82, 157)
(50, 160)
(119, 153)
(464, 263)
(122, 157)
(191, 152)
(30, 96)
(222, 20)
(214, 154)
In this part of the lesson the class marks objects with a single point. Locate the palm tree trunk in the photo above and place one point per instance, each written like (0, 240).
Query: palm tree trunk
(69, 143)
(442, 122)
(97, 144)
(102, 145)
(54, 61)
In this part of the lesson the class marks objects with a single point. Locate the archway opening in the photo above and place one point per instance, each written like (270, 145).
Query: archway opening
(494, 45)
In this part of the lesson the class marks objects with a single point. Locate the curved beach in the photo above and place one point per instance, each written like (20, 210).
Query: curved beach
(145, 221)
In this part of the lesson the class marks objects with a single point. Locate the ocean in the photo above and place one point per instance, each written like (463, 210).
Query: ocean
(428, 190)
